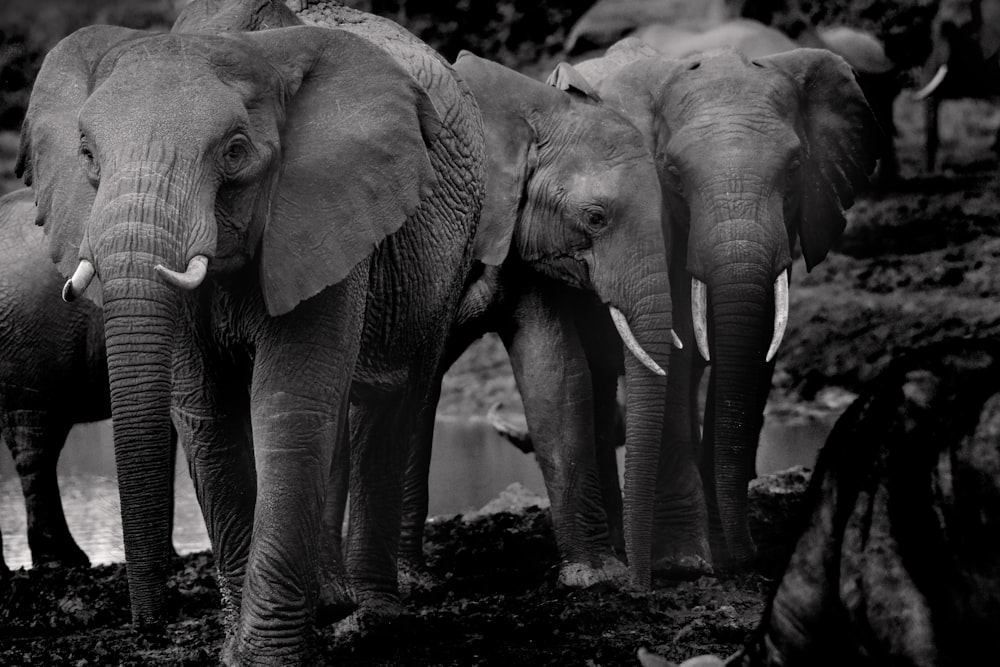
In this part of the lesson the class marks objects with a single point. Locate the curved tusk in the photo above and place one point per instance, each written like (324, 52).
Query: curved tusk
(631, 343)
(197, 268)
(676, 340)
(77, 285)
(932, 85)
(699, 313)
(780, 313)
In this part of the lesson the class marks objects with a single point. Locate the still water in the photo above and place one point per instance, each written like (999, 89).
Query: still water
(471, 464)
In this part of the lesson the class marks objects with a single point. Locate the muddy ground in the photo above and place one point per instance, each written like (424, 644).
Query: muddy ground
(917, 263)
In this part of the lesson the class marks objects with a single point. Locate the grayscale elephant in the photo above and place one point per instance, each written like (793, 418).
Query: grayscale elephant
(53, 374)
(753, 155)
(898, 562)
(964, 61)
(570, 239)
(277, 224)
(880, 79)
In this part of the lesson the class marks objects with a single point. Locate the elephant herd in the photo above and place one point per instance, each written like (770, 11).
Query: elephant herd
(279, 236)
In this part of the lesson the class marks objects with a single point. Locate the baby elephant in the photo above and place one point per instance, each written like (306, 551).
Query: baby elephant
(899, 562)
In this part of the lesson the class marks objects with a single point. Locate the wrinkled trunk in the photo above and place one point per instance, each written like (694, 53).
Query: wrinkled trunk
(642, 292)
(741, 318)
(132, 229)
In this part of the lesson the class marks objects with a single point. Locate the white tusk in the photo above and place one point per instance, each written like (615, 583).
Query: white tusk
(631, 343)
(676, 339)
(76, 285)
(699, 313)
(932, 85)
(191, 278)
(780, 313)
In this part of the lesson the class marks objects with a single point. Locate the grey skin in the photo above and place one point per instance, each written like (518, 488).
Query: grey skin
(880, 79)
(318, 217)
(570, 228)
(752, 157)
(898, 560)
(964, 62)
(53, 374)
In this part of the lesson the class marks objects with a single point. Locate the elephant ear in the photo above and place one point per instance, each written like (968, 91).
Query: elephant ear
(566, 77)
(841, 141)
(48, 158)
(509, 151)
(355, 162)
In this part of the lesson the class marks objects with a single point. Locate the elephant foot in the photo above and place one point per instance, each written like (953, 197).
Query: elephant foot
(682, 567)
(682, 558)
(336, 602)
(66, 554)
(612, 573)
(414, 578)
(377, 616)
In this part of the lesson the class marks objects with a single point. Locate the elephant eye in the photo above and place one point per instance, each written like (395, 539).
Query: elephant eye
(595, 219)
(236, 155)
(89, 162)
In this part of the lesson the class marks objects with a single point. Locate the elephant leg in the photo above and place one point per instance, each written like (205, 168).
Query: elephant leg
(335, 598)
(379, 451)
(36, 439)
(553, 376)
(413, 572)
(601, 344)
(210, 413)
(680, 542)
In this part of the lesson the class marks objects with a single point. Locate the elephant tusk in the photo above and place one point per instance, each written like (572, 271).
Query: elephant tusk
(699, 313)
(676, 340)
(631, 343)
(780, 313)
(932, 85)
(191, 278)
(76, 285)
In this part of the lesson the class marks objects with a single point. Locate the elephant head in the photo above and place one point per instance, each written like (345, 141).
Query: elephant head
(164, 163)
(752, 156)
(573, 194)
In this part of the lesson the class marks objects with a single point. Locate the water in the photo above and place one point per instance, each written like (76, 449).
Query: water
(470, 466)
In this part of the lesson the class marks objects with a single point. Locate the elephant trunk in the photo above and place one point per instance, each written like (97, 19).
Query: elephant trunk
(742, 320)
(642, 297)
(133, 229)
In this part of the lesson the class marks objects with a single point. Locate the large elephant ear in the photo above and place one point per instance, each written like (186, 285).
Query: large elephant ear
(509, 142)
(48, 159)
(355, 162)
(841, 140)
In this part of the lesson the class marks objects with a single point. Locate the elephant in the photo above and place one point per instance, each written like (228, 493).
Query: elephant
(753, 156)
(880, 79)
(964, 61)
(53, 374)
(50, 351)
(277, 225)
(569, 256)
(898, 560)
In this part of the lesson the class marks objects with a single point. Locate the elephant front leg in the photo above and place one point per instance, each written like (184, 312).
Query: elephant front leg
(680, 538)
(302, 374)
(35, 439)
(212, 415)
(554, 379)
